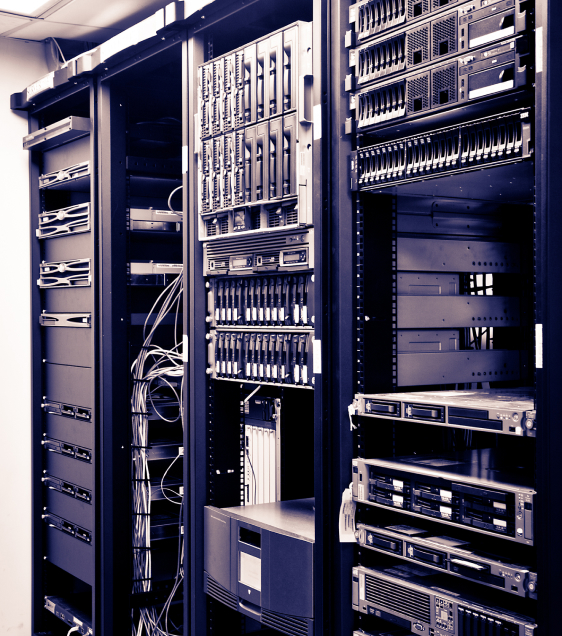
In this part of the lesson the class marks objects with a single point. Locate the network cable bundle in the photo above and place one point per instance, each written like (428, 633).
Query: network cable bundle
(155, 368)
(441, 118)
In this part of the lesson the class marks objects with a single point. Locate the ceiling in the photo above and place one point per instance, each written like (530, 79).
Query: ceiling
(85, 20)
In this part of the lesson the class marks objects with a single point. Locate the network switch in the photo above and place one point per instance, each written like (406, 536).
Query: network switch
(150, 273)
(149, 219)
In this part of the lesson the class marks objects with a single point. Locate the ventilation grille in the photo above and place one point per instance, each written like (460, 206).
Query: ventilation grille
(444, 85)
(274, 219)
(418, 46)
(220, 594)
(292, 625)
(396, 597)
(255, 216)
(417, 8)
(444, 36)
(292, 217)
(211, 228)
(418, 93)
(227, 247)
(439, 4)
(224, 225)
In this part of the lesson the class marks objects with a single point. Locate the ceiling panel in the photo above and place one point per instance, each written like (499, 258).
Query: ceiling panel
(107, 13)
(41, 29)
(8, 22)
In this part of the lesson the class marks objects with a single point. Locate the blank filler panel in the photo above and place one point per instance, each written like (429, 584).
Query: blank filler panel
(419, 312)
(418, 369)
(445, 255)
(69, 384)
(70, 554)
(68, 346)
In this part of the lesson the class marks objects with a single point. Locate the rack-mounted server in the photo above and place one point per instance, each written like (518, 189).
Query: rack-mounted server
(447, 554)
(374, 17)
(507, 411)
(470, 145)
(426, 602)
(460, 29)
(492, 71)
(478, 489)
(260, 253)
(271, 301)
(255, 136)
(261, 356)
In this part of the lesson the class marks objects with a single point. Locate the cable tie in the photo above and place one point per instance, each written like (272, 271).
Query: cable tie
(140, 412)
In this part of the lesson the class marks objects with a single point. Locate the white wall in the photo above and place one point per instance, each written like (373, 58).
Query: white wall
(21, 63)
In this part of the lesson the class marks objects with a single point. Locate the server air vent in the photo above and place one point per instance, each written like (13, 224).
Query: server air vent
(220, 594)
(396, 597)
(418, 93)
(418, 46)
(293, 625)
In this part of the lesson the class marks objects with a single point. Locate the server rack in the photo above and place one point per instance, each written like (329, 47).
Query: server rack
(104, 160)
(386, 307)
(340, 217)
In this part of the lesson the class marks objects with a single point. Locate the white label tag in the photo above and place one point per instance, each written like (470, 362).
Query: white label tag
(445, 511)
(223, 314)
(217, 314)
(248, 315)
(500, 523)
(347, 517)
(304, 314)
(274, 314)
(268, 371)
(255, 370)
(235, 368)
(304, 375)
(275, 372)
(261, 314)
(218, 367)
(235, 314)
(538, 346)
(317, 121)
(229, 314)
(296, 315)
(361, 492)
(316, 356)
(229, 368)
(185, 349)
(398, 499)
(254, 313)
(250, 571)
(297, 373)
(223, 367)
(282, 372)
(267, 314)
(282, 314)
(261, 370)
(248, 370)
